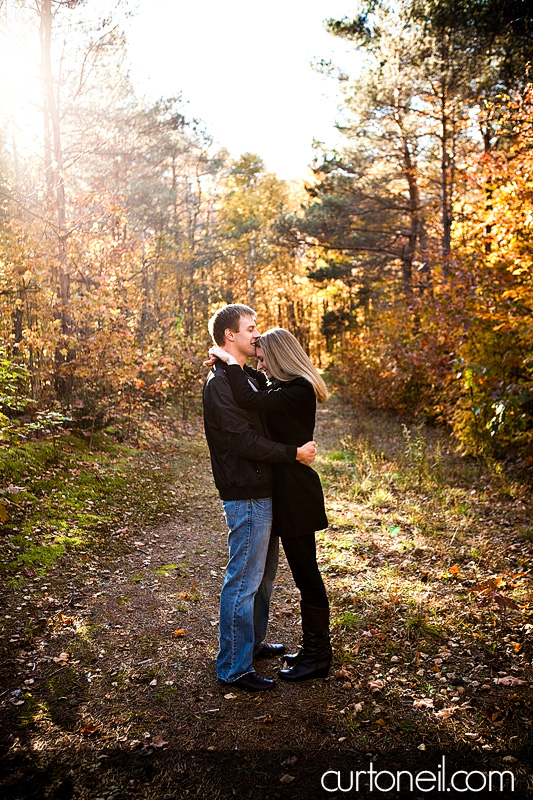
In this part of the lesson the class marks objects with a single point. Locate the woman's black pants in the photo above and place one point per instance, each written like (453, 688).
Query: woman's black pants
(301, 555)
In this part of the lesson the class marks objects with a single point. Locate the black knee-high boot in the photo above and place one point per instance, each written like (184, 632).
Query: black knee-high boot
(314, 659)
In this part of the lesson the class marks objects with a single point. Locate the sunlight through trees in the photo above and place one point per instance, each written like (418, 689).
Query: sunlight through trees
(404, 267)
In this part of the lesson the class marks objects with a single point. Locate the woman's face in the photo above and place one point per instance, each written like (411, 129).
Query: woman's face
(261, 363)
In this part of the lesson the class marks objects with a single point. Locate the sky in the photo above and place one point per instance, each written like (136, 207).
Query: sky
(244, 68)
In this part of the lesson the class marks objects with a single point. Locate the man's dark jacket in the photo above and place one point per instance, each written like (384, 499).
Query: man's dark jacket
(238, 441)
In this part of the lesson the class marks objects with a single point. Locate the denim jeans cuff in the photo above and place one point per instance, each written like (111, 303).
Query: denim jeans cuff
(248, 672)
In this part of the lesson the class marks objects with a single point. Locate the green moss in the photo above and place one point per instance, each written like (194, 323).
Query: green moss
(70, 496)
(42, 555)
(33, 711)
(64, 682)
(123, 601)
(166, 570)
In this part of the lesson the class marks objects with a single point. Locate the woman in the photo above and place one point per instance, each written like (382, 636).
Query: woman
(289, 403)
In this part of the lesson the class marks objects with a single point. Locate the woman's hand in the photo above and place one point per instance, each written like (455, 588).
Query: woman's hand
(218, 352)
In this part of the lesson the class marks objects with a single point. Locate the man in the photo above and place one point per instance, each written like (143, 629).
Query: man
(241, 458)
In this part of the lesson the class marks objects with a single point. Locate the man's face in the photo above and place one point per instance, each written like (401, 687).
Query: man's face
(244, 339)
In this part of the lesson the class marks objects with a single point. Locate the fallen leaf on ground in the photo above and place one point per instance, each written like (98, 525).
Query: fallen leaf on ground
(509, 680)
(343, 673)
(290, 762)
(158, 741)
(89, 729)
(424, 702)
(286, 778)
(505, 602)
(61, 659)
(354, 708)
(445, 713)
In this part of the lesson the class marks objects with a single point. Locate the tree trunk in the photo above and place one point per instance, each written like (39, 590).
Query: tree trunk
(487, 147)
(56, 169)
(64, 354)
(251, 273)
(446, 186)
(414, 214)
(45, 37)
(18, 316)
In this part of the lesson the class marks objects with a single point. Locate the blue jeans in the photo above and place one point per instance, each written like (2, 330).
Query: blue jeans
(245, 595)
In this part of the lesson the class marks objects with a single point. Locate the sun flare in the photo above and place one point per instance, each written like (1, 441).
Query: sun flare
(20, 82)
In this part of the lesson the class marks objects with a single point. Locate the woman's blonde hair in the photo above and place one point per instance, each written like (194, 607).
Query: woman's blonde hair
(287, 359)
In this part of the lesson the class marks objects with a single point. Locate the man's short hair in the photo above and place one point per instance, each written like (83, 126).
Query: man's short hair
(228, 317)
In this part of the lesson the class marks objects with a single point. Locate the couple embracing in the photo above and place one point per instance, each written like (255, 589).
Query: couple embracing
(259, 427)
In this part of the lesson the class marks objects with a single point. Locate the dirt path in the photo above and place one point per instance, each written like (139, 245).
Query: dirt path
(116, 695)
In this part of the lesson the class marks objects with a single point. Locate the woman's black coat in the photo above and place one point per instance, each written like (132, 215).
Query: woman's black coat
(290, 410)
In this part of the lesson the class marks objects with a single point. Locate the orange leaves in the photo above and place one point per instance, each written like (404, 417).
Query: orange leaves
(453, 571)
(487, 590)
(89, 729)
(179, 633)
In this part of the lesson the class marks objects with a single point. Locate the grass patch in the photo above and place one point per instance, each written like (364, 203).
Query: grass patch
(347, 620)
(168, 569)
(64, 498)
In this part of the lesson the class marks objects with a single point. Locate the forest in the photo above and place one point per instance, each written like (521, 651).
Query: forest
(404, 266)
